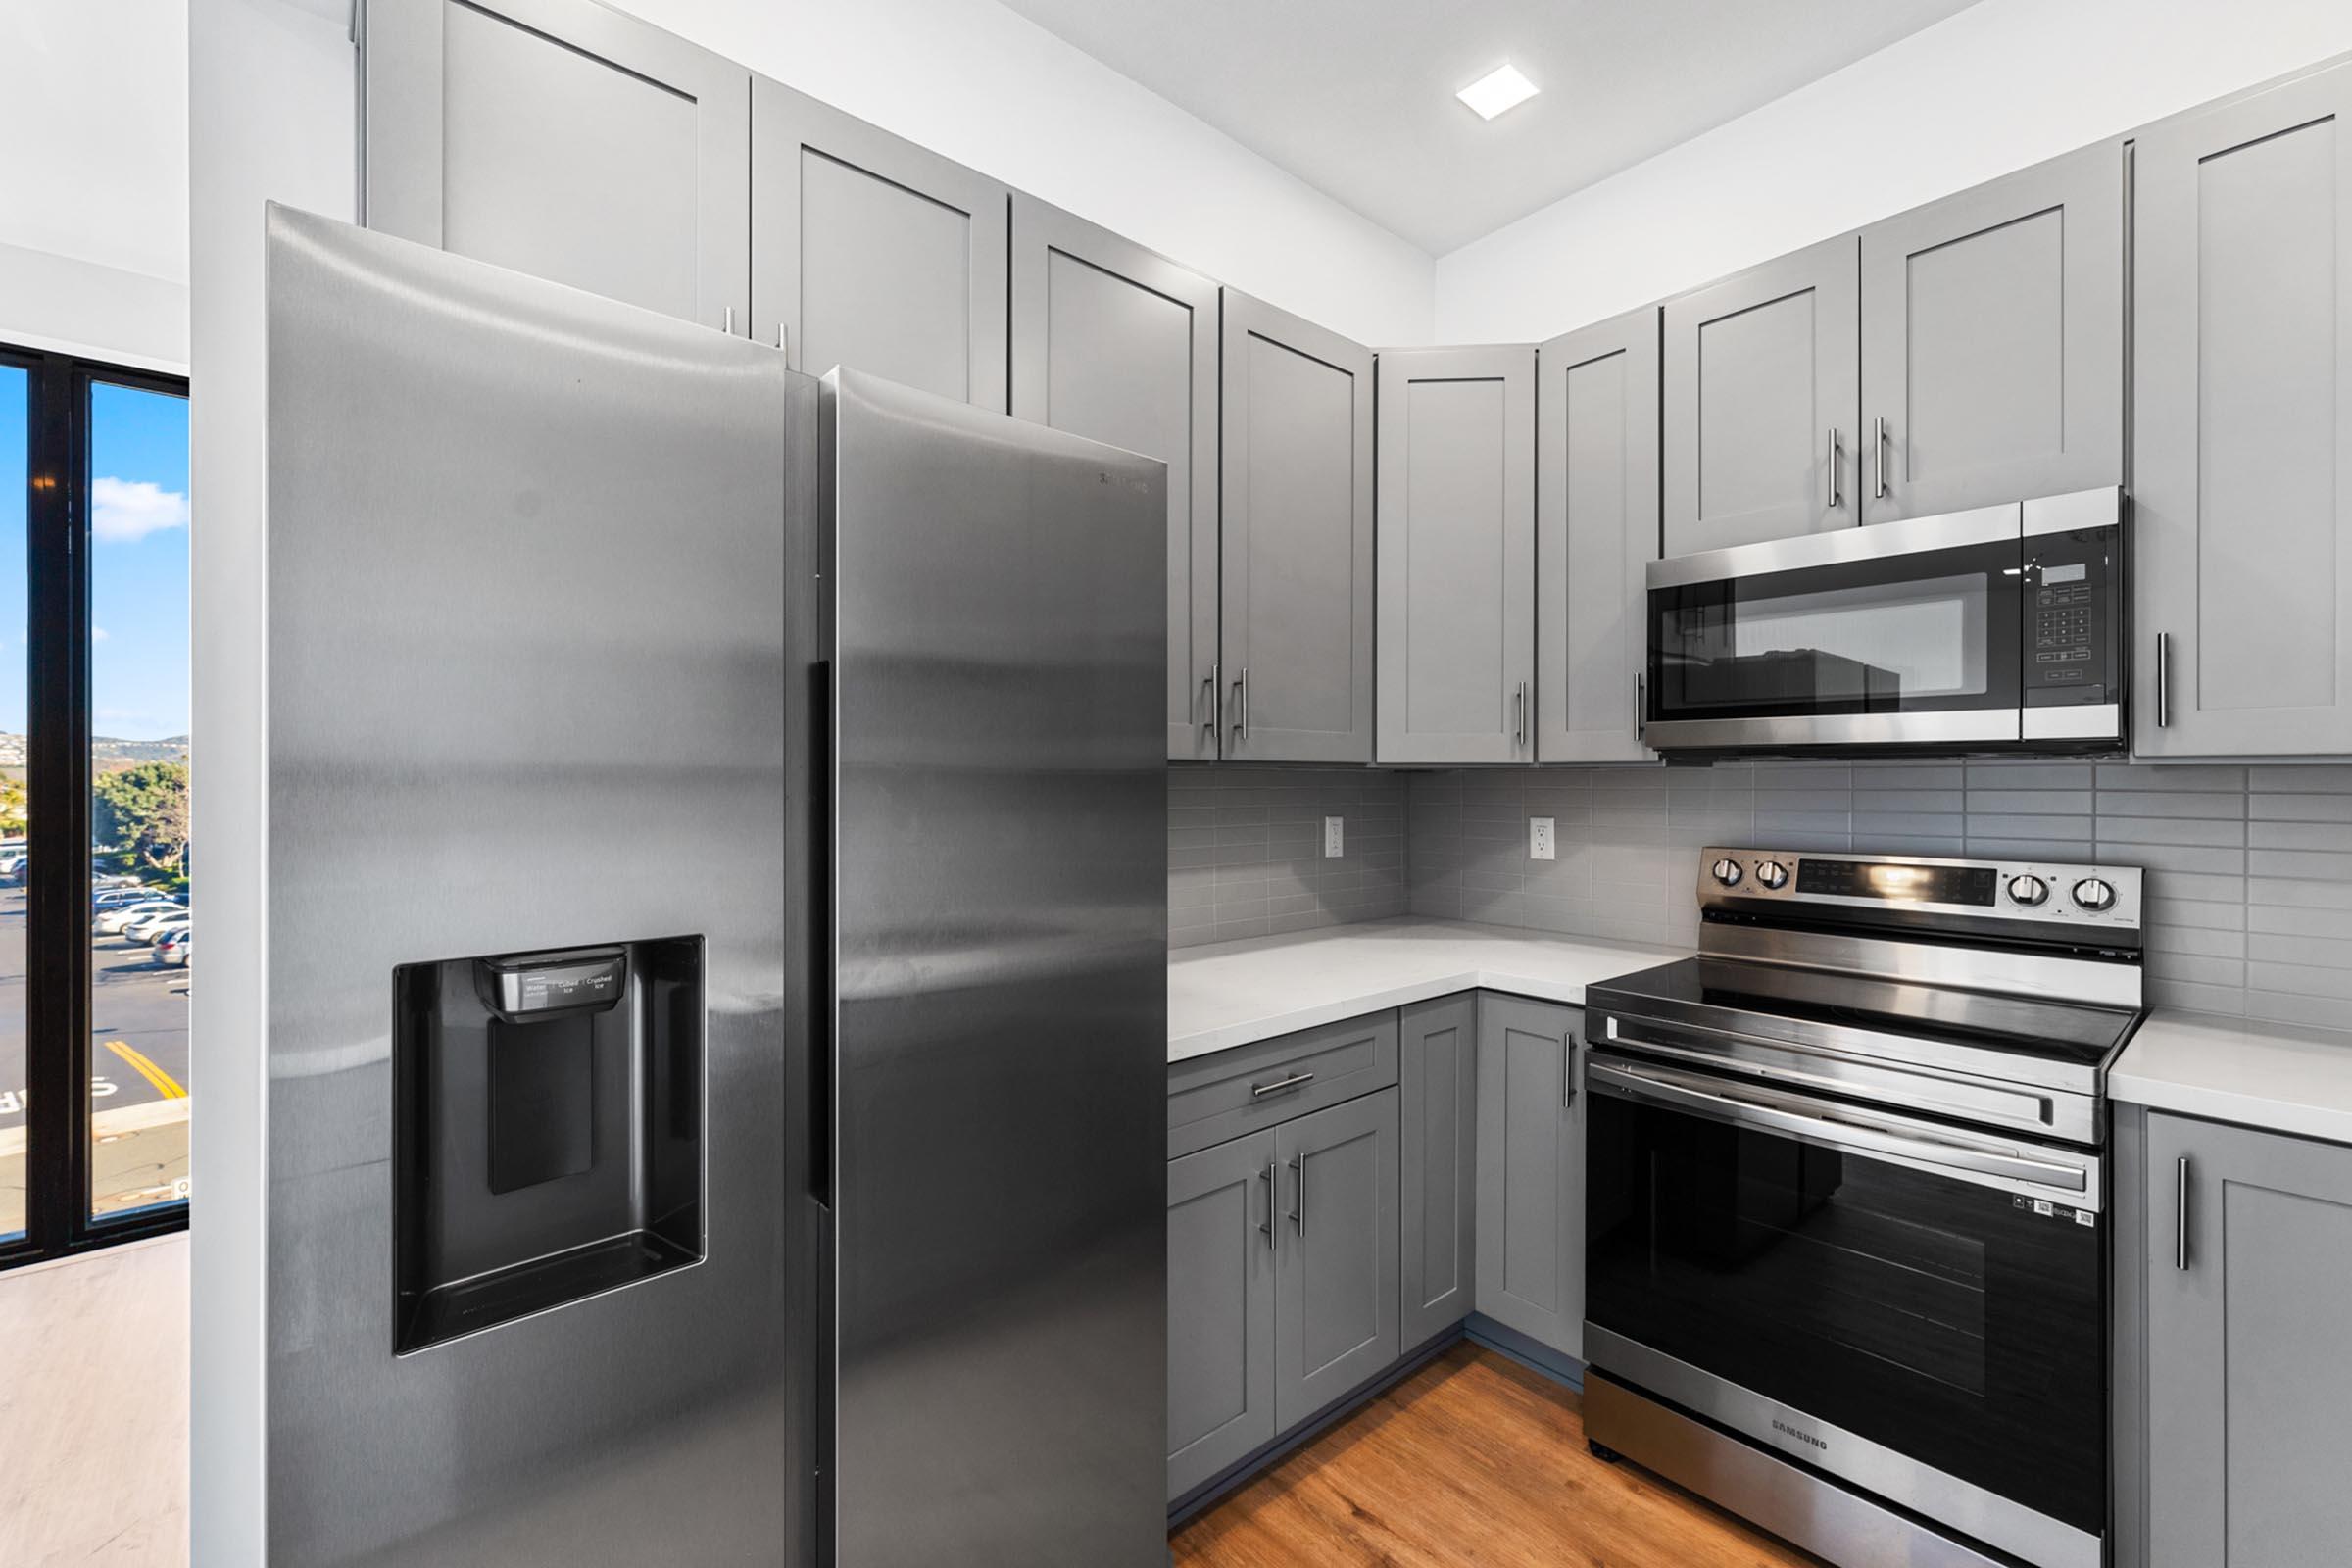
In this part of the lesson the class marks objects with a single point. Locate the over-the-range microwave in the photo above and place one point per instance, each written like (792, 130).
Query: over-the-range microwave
(1998, 629)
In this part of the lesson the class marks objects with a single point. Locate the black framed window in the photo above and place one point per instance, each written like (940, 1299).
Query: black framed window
(94, 822)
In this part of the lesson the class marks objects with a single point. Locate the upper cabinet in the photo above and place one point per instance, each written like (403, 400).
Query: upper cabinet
(1761, 389)
(565, 140)
(1597, 531)
(1993, 342)
(1296, 613)
(1116, 344)
(1457, 555)
(873, 253)
(2242, 427)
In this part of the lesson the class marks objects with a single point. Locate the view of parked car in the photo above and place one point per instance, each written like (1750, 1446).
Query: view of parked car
(172, 950)
(150, 928)
(117, 920)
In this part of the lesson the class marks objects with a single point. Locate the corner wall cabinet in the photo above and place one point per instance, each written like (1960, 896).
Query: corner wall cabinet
(1456, 531)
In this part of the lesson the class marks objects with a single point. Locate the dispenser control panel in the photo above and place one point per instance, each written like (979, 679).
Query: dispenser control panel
(538, 984)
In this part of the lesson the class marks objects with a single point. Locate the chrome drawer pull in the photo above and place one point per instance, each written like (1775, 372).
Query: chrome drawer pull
(1291, 1082)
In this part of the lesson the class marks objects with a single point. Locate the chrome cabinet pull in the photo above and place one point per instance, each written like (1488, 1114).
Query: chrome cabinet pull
(1519, 731)
(1299, 1193)
(1241, 693)
(2181, 1212)
(1837, 487)
(1291, 1082)
(1641, 704)
(1568, 1075)
(1273, 1235)
(2164, 693)
(1208, 688)
(726, 321)
(1877, 458)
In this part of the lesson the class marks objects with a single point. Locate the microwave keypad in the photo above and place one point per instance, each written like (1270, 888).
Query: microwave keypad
(2068, 644)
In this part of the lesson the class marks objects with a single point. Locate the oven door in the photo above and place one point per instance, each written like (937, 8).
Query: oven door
(1901, 634)
(1916, 1308)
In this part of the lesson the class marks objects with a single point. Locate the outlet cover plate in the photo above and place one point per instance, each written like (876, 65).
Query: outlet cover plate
(1335, 837)
(1540, 838)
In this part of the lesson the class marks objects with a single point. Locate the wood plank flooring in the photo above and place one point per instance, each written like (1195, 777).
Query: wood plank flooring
(1472, 1462)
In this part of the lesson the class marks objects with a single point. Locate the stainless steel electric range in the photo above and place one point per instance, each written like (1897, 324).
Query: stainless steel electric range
(1846, 1233)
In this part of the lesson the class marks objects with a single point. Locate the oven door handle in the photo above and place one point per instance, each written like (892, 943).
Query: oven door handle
(1669, 1095)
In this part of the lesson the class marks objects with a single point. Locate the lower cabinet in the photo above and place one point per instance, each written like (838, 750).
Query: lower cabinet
(1531, 1171)
(2247, 1267)
(1282, 1279)
(1438, 1109)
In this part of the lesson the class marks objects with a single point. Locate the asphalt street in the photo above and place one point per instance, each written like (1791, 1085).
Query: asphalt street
(139, 1018)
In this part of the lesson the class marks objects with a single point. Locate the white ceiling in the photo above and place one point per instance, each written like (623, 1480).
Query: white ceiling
(1355, 97)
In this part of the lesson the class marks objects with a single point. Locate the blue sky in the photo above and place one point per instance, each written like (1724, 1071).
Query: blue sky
(138, 559)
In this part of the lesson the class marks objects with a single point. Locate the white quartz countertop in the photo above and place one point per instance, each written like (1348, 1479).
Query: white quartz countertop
(2281, 1077)
(1234, 993)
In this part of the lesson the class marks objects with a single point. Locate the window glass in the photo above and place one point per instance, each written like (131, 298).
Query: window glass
(14, 726)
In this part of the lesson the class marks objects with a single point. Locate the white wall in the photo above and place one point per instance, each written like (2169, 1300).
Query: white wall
(2001, 86)
(273, 115)
(93, 178)
(989, 89)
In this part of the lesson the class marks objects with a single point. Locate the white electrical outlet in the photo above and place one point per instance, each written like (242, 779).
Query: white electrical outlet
(1335, 837)
(1539, 838)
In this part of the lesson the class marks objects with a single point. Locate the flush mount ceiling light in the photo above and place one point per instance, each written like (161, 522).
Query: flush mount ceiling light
(1499, 90)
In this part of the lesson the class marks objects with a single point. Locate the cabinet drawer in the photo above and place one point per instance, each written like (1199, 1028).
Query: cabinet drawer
(1217, 1096)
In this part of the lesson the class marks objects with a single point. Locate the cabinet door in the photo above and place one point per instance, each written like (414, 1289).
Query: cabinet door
(1456, 531)
(2247, 1377)
(1438, 1111)
(1596, 531)
(871, 252)
(2242, 427)
(1762, 391)
(1221, 1260)
(1116, 344)
(1297, 608)
(1335, 1290)
(1531, 1171)
(1993, 342)
(560, 138)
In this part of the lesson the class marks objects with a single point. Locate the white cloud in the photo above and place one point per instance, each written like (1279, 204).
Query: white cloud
(97, 634)
(125, 510)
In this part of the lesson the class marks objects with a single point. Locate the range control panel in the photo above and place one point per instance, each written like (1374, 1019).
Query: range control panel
(2104, 896)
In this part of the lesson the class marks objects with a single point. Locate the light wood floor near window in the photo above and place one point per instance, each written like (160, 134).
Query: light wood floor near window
(1471, 1462)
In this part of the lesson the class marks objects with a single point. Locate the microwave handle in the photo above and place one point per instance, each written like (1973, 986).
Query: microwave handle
(2013, 1170)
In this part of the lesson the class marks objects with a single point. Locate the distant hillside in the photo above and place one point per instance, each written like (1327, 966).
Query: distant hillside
(106, 750)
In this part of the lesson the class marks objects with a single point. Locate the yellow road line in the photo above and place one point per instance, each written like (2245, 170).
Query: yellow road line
(164, 1084)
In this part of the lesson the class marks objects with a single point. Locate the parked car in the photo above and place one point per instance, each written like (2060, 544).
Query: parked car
(147, 927)
(116, 898)
(173, 948)
(117, 920)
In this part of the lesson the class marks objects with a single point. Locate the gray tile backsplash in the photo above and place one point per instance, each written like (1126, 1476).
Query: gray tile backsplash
(2249, 868)
(1245, 850)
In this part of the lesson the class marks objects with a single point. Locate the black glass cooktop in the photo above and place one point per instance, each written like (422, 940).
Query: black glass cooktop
(2077, 1033)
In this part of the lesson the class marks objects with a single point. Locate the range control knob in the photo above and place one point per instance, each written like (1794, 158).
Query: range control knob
(1727, 871)
(1772, 874)
(2093, 894)
(2028, 890)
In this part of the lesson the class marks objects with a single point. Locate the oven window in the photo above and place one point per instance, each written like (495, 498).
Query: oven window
(1910, 633)
(1945, 1320)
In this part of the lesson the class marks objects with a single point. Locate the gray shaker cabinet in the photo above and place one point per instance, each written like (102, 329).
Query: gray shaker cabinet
(871, 252)
(1295, 606)
(2242, 426)
(1117, 344)
(1221, 1260)
(1596, 531)
(2247, 1379)
(1335, 1271)
(1531, 1170)
(1761, 388)
(1438, 1107)
(562, 139)
(1456, 530)
(1993, 342)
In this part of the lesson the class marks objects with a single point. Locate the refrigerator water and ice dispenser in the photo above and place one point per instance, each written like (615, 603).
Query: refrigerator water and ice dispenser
(547, 1144)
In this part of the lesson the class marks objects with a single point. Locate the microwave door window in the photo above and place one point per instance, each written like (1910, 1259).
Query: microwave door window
(1875, 637)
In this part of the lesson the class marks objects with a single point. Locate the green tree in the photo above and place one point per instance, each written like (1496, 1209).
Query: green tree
(11, 808)
(143, 810)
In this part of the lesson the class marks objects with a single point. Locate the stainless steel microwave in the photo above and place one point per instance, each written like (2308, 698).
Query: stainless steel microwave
(2002, 628)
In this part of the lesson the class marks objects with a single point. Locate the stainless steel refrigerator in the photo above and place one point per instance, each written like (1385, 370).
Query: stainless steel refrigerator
(716, 945)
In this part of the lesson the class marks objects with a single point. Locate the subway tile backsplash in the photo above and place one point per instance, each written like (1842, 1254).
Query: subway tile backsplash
(1245, 850)
(2249, 868)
